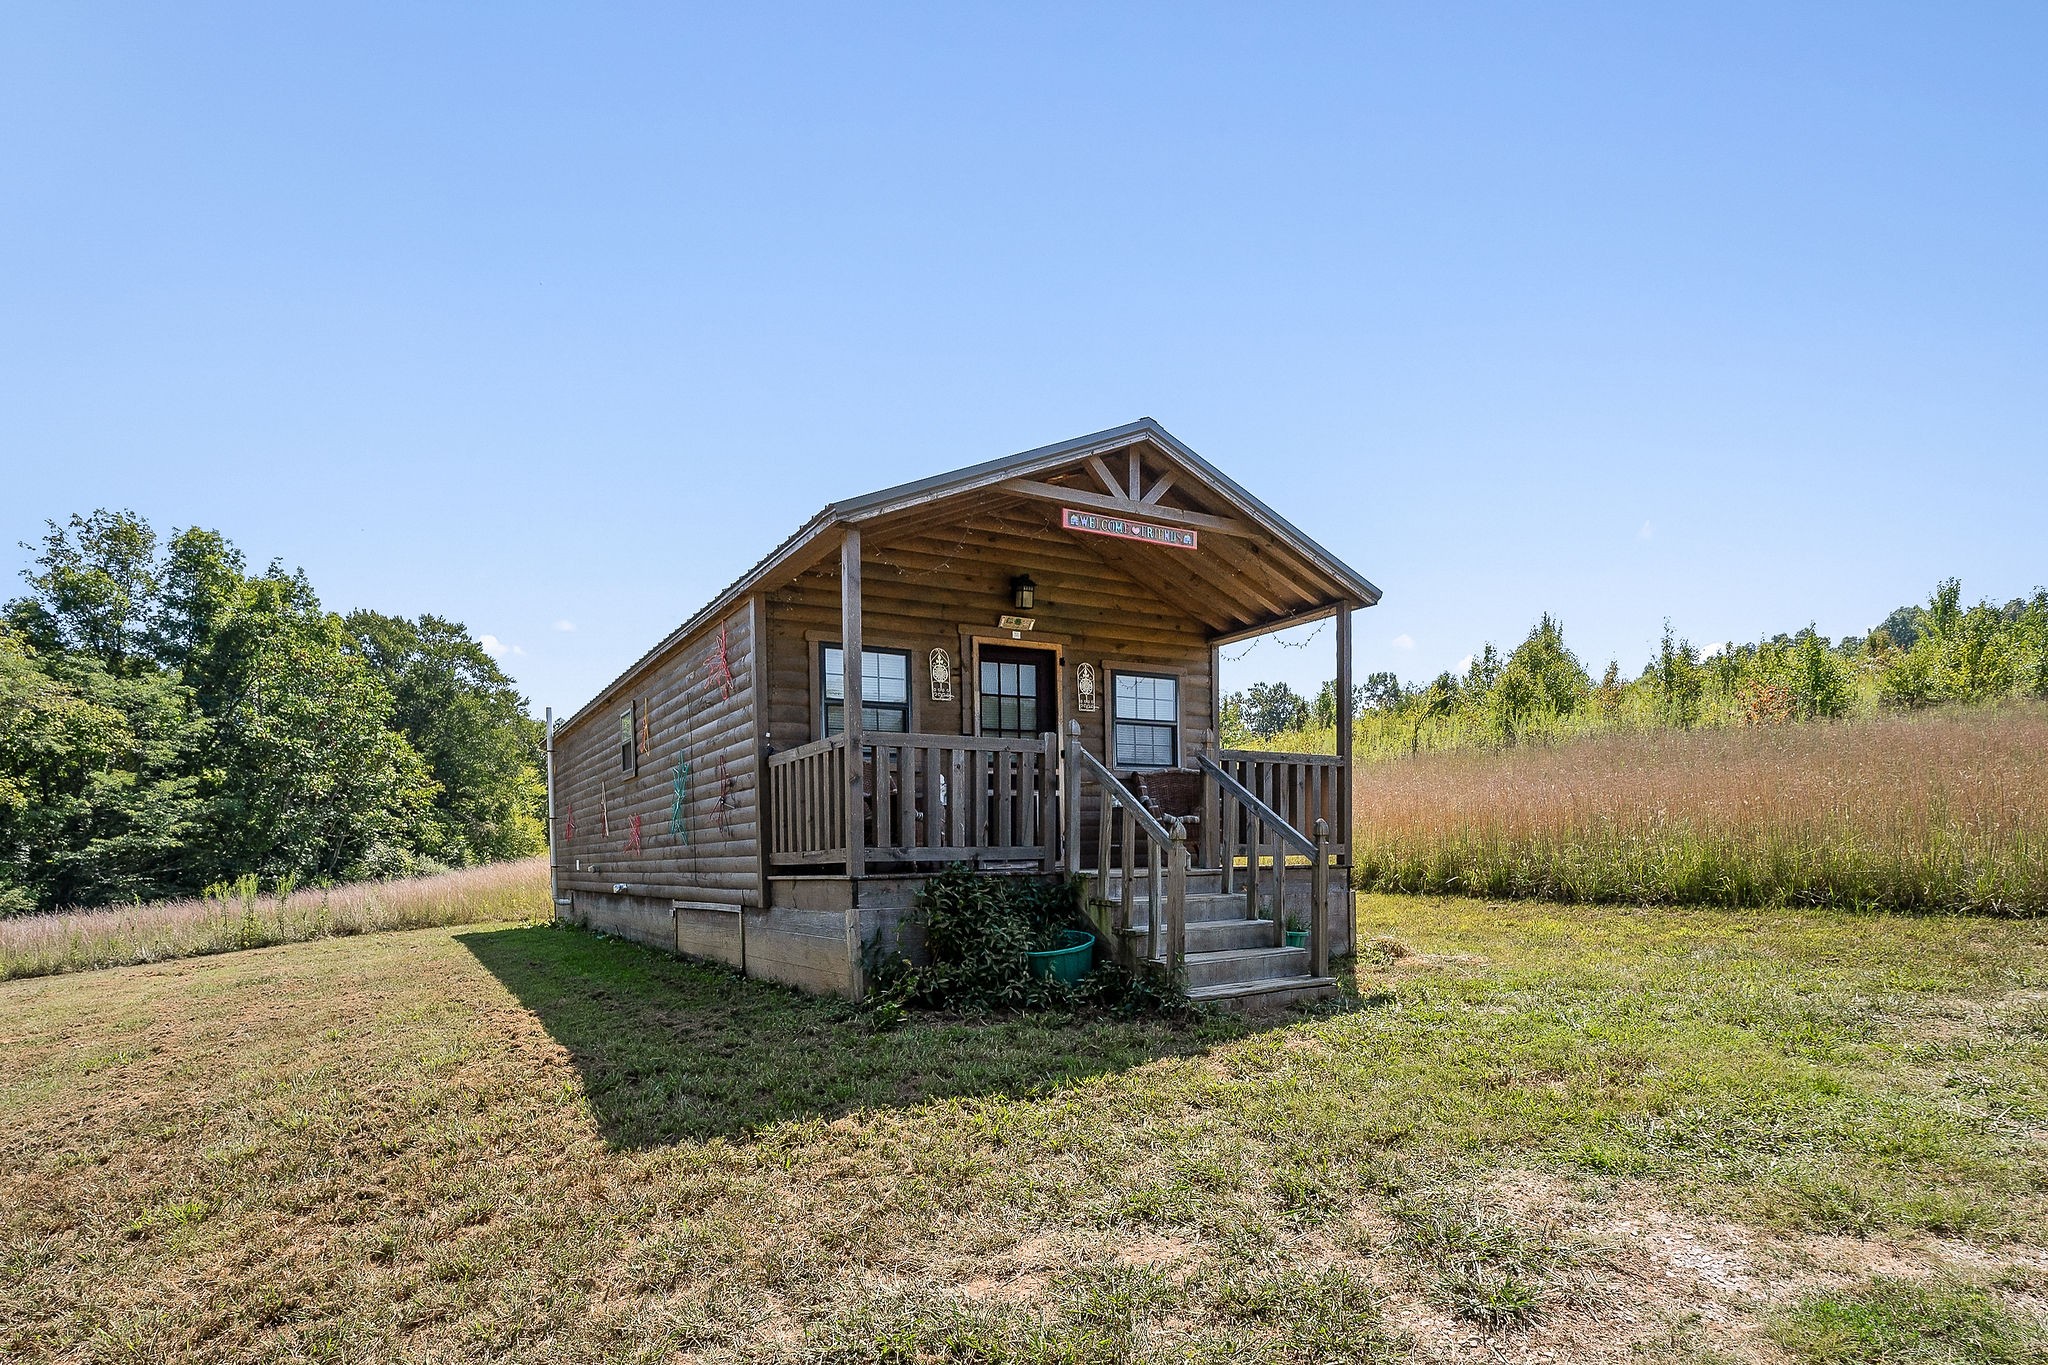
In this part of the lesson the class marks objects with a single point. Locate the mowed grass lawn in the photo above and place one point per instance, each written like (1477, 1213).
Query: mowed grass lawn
(1535, 1133)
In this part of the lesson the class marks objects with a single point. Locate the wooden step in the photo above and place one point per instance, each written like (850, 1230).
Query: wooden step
(1235, 965)
(1216, 935)
(1254, 997)
(1203, 906)
(1199, 879)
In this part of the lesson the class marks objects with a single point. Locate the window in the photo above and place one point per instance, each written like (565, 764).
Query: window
(629, 758)
(884, 689)
(1146, 720)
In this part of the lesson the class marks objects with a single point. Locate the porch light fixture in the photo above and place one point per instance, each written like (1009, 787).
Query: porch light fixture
(1023, 592)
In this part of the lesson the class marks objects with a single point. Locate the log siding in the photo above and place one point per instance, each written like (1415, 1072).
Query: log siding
(926, 566)
(688, 717)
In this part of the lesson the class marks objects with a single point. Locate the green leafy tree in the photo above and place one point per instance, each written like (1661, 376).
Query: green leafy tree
(1978, 660)
(169, 720)
(96, 800)
(97, 578)
(2031, 629)
(1608, 695)
(1542, 679)
(199, 588)
(1381, 692)
(1273, 708)
(1944, 608)
(1820, 687)
(311, 780)
(1373, 693)
(1675, 674)
(465, 718)
(1482, 673)
(1901, 627)
(1909, 678)
(1435, 702)
(1230, 715)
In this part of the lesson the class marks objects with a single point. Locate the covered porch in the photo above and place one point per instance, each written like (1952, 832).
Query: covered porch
(1196, 863)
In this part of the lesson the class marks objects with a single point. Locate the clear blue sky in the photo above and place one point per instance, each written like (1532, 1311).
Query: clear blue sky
(1736, 314)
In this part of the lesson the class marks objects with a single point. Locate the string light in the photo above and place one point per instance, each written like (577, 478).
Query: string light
(1258, 640)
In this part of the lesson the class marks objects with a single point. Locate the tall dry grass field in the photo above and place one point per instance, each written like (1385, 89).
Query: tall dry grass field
(1935, 812)
(76, 940)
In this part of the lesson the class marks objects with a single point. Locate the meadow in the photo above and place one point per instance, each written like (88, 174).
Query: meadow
(1939, 811)
(241, 917)
(1524, 1133)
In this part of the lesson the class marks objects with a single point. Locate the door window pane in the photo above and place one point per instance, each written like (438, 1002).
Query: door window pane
(1010, 704)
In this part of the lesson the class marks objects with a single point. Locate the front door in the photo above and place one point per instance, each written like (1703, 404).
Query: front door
(1018, 691)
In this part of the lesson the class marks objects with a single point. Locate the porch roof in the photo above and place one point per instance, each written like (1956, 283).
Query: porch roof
(1265, 573)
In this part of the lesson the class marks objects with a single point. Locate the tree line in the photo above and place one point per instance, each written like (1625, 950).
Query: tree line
(170, 721)
(1919, 656)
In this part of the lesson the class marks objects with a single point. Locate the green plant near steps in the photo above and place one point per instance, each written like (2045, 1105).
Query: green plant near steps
(978, 930)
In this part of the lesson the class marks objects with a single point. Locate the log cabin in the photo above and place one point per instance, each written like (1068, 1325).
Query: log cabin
(1012, 666)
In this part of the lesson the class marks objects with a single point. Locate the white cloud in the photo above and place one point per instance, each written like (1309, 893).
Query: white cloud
(497, 648)
(565, 625)
(1404, 641)
(1647, 531)
(1464, 664)
(1716, 651)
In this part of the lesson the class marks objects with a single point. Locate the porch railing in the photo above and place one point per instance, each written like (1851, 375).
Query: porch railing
(807, 803)
(928, 798)
(1300, 788)
(1248, 827)
(1130, 836)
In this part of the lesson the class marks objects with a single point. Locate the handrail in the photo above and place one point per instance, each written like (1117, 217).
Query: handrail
(1166, 856)
(817, 746)
(869, 739)
(1245, 798)
(1229, 789)
(1281, 755)
(1147, 821)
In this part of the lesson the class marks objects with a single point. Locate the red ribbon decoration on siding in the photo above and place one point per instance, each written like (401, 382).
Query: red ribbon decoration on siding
(721, 665)
(633, 839)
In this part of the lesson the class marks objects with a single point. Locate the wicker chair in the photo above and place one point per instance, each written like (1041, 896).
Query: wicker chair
(1170, 794)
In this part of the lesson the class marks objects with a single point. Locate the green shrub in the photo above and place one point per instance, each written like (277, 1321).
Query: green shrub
(978, 929)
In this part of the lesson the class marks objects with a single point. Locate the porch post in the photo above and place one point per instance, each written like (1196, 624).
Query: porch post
(1346, 721)
(849, 656)
(554, 863)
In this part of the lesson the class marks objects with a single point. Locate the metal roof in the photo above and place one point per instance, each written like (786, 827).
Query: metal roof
(868, 506)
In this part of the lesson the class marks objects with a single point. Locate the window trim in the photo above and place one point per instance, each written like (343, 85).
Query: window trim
(867, 704)
(1179, 724)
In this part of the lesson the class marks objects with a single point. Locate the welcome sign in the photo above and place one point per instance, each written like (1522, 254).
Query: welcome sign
(1095, 523)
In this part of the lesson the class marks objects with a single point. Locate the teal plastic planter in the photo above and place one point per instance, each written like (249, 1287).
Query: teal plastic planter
(1297, 938)
(1069, 962)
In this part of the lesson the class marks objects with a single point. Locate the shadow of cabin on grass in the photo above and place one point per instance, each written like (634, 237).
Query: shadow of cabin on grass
(677, 1051)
